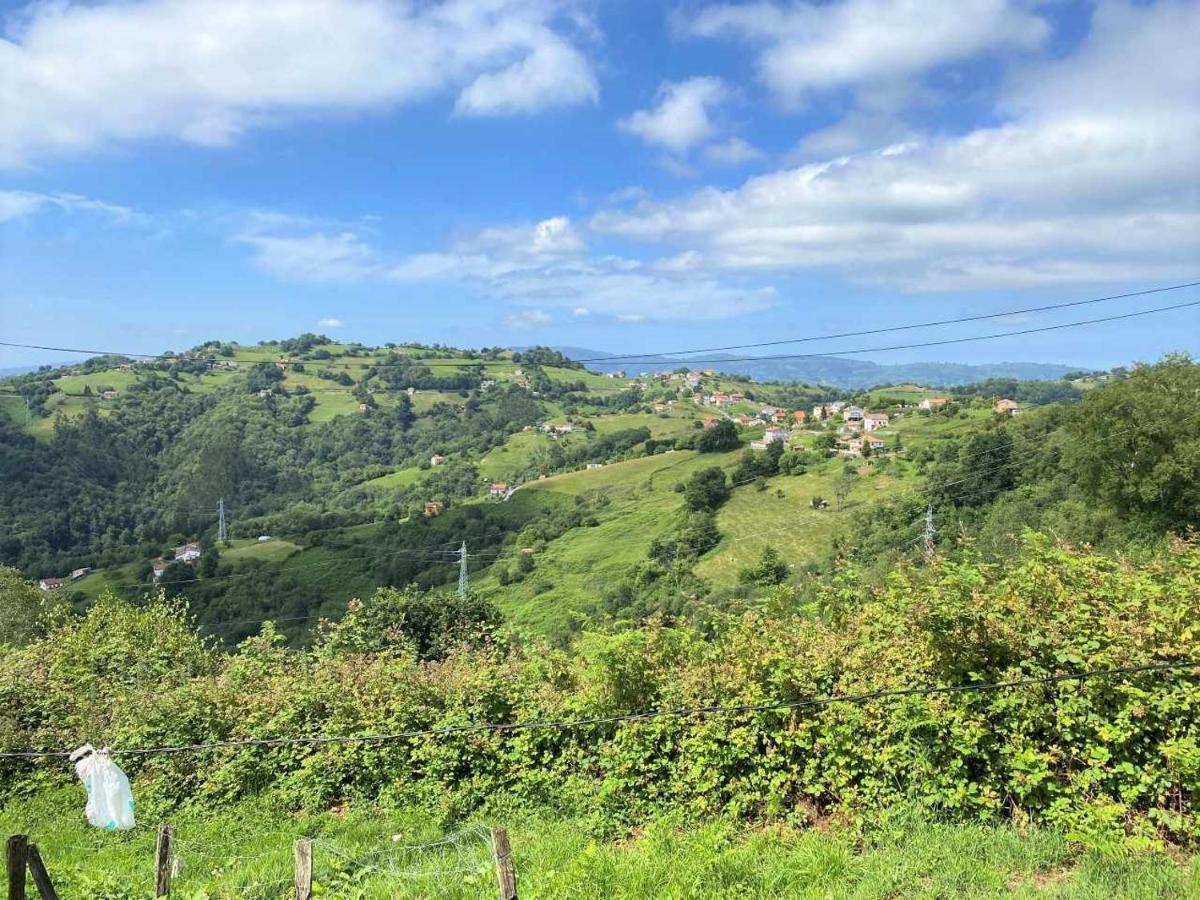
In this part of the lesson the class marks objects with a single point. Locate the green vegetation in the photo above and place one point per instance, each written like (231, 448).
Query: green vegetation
(226, 856)
(643, 562)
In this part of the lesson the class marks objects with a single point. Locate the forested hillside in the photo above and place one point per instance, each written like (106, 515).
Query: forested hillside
(690, 596)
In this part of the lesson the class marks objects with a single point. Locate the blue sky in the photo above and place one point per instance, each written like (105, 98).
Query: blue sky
(626, 176)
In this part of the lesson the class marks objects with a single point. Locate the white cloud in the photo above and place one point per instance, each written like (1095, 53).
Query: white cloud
(732, 152)
(330, 322)
(1089, 177)
(808, 47)
(18, 204)
(553, 74)
(681, 118)
(74, 77)
(311, 257)
(536, 268)
(529, 318)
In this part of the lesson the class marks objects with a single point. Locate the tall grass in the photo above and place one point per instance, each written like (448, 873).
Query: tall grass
(376, 853)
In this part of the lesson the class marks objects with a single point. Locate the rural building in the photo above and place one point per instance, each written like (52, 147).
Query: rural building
(872, 421)
(362, 407)
(872, 441)
(1007, 407)
(745, 421)
(779, 417)
(853, 414)
(498, 489)
(188, 552)
(736, 397)
(719, 398)
(264, 393)
(767, 413)
(437, 459)
(774, 436)
(51, 584)
(433, 508)
(159, 566)
(710, 421)
(80, 573)
(559, 428)
(110, 394)
(933, 402)
(595, 465)
(799, 417)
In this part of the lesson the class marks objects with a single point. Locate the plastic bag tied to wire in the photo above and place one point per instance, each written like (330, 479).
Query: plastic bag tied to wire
(109, 798)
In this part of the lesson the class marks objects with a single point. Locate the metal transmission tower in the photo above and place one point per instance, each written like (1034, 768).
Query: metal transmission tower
(930, 531)
(222, 535)
(462, 570)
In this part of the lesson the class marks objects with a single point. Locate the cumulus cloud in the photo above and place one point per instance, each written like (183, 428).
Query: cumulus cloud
(330, 322)
(681, 118)
(806, 48)
(1090, 176)
(79, 76)
(534, 268)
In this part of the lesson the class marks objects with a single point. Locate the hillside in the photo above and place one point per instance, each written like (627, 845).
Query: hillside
(718, 635)
(328, 449)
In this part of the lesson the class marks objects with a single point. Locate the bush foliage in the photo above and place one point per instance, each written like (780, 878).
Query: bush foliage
(1108, 759)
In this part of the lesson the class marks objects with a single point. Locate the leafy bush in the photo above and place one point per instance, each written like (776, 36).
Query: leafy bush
(1109, 759)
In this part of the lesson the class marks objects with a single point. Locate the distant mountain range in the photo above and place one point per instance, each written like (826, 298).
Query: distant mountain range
(831, 370)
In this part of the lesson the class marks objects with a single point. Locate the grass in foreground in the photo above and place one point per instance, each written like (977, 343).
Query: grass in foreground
(368, 853)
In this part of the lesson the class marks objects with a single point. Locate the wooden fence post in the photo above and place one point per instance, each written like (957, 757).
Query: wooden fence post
(18, 860)
(162, 862)
(506, 873)
(41, 877)
(303, 856)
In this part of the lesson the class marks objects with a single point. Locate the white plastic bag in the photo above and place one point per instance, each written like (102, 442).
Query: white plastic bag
(109, 799)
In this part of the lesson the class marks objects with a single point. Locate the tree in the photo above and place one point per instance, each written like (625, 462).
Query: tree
(706, 490)
(24, 609)
(429, 623)
(719, 438)
(1149, 466)
(770, 569)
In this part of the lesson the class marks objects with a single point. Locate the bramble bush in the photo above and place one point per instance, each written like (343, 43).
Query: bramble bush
(1113, 761)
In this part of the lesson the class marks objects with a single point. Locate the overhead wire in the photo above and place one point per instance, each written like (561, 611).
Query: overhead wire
(643, 356)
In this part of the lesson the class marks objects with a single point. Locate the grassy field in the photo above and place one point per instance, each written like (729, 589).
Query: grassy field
(274, 550)
(376, 853)
(752, 519)
(577, 569)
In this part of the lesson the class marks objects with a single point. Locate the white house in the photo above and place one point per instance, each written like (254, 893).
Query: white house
(872, 421)
(188, 552)
(437, 460)
(774, 436)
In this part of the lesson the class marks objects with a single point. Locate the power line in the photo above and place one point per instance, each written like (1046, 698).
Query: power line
(467, 363)
(946, 341)
(673, 712)
(892, 328)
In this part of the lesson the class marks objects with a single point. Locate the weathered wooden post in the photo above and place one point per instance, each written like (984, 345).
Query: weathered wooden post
(506, 873)
(41, 877)
(303, 857)
(18, 860)
(162, 862)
